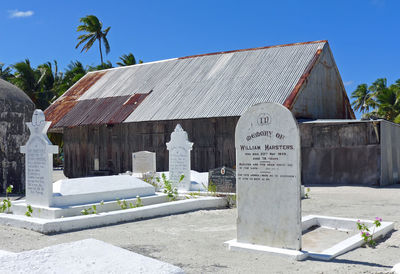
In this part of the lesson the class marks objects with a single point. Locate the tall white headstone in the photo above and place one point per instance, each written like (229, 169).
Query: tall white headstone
(39, 162)
(267, 145)
(179, 158)
(143, 161)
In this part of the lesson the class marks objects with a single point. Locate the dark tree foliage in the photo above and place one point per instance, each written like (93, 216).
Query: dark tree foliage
(382, 100)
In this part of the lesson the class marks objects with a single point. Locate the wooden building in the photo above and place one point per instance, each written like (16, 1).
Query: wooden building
(109, 114)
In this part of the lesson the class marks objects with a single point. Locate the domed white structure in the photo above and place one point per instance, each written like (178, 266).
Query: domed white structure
(16, 109)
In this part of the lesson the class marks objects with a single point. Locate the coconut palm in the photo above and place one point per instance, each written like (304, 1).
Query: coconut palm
(363, 98)
(106, 65)
(93, 28)
(39, 84)
(383, 100)
(128, 60)
(389, 103)
(27, 79)
(75, 71)
(5, 72)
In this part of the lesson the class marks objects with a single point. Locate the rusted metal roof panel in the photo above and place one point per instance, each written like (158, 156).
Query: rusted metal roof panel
(210, 85)
(56, 111)
(110, 110)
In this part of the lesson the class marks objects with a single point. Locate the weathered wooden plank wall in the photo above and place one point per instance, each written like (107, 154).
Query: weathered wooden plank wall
(213, 138)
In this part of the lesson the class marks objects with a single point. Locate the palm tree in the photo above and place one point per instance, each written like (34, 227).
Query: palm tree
(27, 79)
(128, 60)
(384, 100)
(50, 83)
(39, 84)
(389, 103)
(93, 27)
(75, 71)
(106, 65)
(363, 98)
(5, 73)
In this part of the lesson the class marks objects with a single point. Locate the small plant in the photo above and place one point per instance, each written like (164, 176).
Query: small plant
(124, 204)
(6, 206)
(307, 194)
(86, 211)
(91, 210)
(231, 200)
(9, 190)
(29, 211)
(169, 189)
(365, 232)
(212, 188)
(138, 202)
(94, 209)
(192, 195)
(153, 180)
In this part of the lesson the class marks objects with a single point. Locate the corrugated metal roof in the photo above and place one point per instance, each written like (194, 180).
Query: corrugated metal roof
(57, 111)
(210, 85)
(109, 110)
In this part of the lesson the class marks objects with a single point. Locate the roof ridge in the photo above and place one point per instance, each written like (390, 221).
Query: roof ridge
(214, 53)
(257, 48)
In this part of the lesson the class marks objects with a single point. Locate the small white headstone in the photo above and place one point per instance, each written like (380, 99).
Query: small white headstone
(179, 158)
(267, 145)
(39, 162)
(143, 162)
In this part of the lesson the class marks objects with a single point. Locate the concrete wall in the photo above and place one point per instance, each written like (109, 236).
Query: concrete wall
(390, 153)
(340, 153)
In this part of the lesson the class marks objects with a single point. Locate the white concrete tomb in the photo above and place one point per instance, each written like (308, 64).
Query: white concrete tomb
(94, 189)
(179, 158)
(267, 145)
(39, 162)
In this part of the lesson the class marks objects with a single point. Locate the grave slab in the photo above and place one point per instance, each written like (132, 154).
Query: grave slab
(354, 240)
(89, 256)
(344, 224)
(179, 149)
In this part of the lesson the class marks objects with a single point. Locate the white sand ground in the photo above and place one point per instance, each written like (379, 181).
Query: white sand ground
(194, 241)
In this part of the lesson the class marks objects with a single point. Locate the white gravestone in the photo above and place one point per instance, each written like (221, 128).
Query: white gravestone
(179, 158)
(267, 143)
(39, 162)
(143, 161)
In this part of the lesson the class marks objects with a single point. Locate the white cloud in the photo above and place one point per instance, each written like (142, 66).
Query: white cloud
(348, 83)
(18, 13)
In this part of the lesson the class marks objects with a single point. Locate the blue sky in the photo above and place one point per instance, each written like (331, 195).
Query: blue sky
(363, 35)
